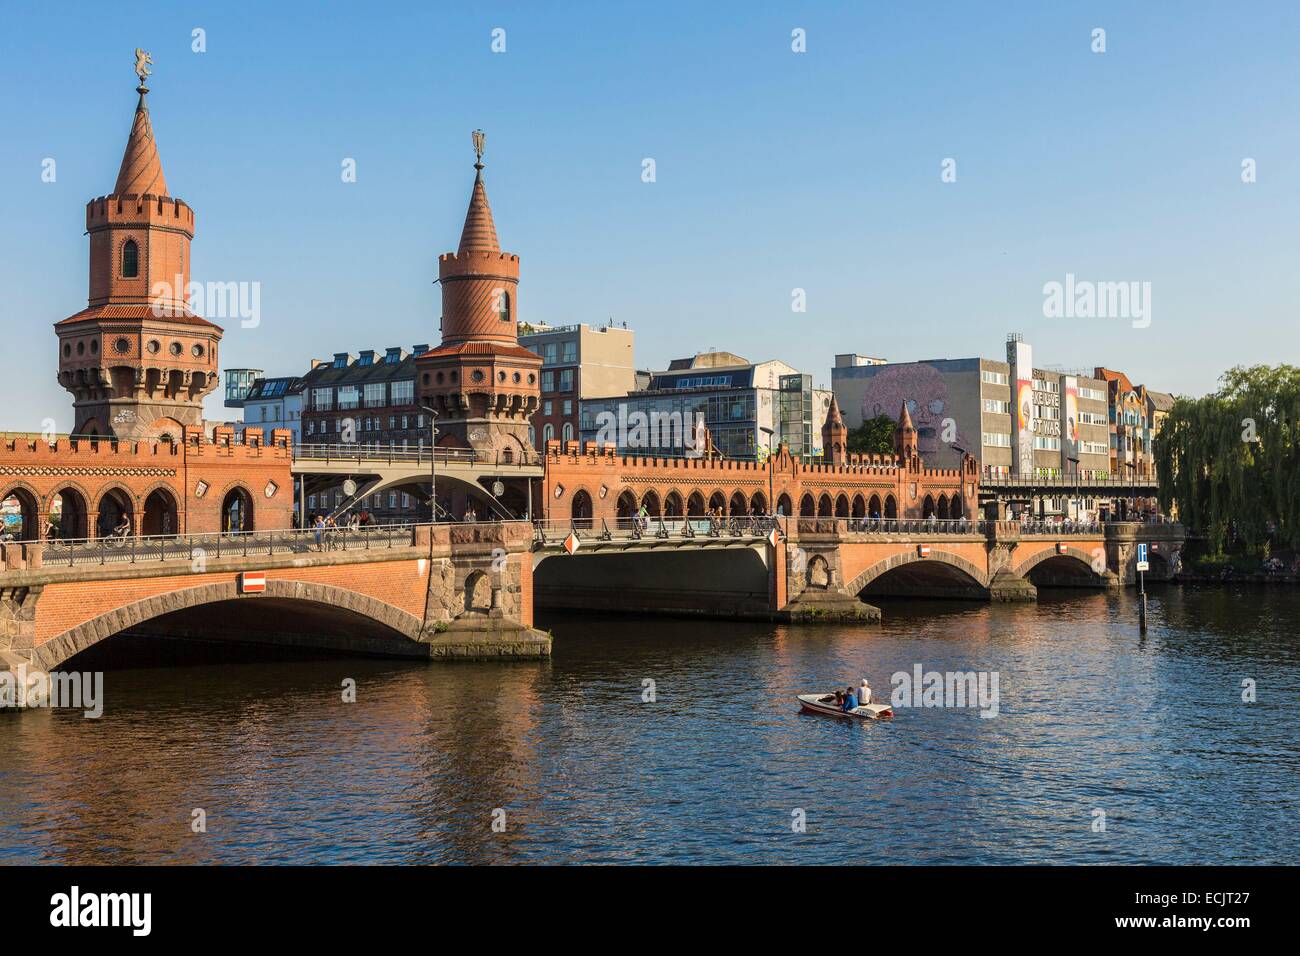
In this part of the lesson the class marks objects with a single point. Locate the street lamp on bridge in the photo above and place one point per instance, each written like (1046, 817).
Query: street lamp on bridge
(771, 502)
(433, 464)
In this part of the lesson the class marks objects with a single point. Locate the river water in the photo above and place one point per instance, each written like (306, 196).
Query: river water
(719, 768)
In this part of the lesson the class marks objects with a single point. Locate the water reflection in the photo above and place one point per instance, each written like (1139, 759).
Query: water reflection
(1151, 731)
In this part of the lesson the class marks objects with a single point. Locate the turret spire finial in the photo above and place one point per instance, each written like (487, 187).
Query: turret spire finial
(480, 138)
(142, 63)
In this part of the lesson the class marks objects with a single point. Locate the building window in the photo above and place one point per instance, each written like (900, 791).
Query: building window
(568, 432)
(404, 392)
(548, 433)
(570, 351)
(130, 259)
(375, 395)
(548, 381)
(568, 406)
(566, 380)
(503, 306)
(547, 407)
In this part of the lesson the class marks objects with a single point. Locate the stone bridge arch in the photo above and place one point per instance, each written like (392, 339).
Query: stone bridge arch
(1076, 561)
(961, 572)
(52, 653)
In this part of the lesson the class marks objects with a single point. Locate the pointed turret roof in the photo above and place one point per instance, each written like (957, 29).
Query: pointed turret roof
(480, 233)
(141, 170)
(904, 419)
(833, 416)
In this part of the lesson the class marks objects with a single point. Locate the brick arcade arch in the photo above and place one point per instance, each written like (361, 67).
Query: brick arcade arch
(29, 509)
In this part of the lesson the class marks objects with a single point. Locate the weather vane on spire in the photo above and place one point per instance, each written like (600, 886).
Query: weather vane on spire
(479, 138)
(142, 63)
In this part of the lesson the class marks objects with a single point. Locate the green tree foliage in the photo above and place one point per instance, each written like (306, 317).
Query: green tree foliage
(875, 436)
(1230, 462)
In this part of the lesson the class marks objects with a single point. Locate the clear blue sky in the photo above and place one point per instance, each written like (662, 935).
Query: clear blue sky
(775, 171)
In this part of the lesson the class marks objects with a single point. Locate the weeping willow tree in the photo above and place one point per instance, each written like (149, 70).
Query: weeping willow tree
(1229, 462)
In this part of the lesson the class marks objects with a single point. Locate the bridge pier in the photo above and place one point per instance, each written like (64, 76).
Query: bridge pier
(816, 582)
(479, 598)
(1001, 538)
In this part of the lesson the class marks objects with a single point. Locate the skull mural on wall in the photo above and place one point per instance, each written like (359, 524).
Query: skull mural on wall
(924, 390)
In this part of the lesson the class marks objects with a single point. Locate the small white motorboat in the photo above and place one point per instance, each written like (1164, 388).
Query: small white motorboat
(825, 704)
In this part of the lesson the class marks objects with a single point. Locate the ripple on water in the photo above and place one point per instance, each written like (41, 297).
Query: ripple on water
(1151, 731)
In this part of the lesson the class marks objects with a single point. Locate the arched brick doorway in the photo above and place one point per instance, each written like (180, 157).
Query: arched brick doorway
(21, 514)
(626, 505)
(68, 513)
(672, 505)
(580, 509)
(160, 517)
(237, 511)
(115, 511)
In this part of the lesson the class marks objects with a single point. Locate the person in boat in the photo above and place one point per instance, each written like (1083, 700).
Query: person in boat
(850, 701)
(864, 694)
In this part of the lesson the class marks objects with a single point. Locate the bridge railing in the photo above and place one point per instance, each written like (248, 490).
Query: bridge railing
(937, 526)
(906, 525)
(133, 549)
(551, 531)
(356, 452)
(1063, 527)
(1068, 481)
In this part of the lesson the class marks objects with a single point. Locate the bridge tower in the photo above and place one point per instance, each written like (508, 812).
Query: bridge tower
(905, 441)
(137, 361)
(482, 382)
(835, 436)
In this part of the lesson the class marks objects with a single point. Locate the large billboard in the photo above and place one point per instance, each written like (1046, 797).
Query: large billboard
(1020, 357)
(1070, 432)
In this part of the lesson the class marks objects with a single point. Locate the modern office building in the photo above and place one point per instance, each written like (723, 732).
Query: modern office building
(578, 362)
(274, 403)
(747, 407)
(239, 381)
(1057, 424)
